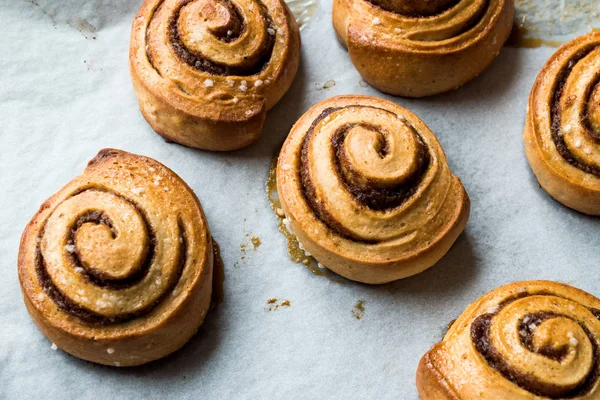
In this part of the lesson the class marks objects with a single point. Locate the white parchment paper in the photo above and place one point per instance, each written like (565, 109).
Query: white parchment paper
(65, 93)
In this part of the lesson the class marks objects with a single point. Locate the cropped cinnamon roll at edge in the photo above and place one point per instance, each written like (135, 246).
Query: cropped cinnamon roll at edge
(400, 48)
(550, 142)
(472, 361)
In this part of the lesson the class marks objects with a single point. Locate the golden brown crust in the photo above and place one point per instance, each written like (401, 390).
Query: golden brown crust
(206, 71)
(523, 341)
(562, 134)
(367, 190)
(116, 267)
(415, 48)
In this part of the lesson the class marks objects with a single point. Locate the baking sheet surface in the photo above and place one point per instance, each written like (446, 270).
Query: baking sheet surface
(66, 93)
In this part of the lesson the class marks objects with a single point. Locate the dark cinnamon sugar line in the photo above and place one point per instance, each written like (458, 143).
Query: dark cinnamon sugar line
(98, 277)
(480, 335)
(386, 5)
(380, 199)
(69, 306)
(556, 116)
(200, 62)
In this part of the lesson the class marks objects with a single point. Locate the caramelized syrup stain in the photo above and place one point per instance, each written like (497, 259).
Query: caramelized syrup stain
(218, 293)
(295, 251)
(552, 22)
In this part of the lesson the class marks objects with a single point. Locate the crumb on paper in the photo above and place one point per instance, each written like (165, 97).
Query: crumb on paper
(255, 241)
(359, 310)
(54, 346)
(274, 304)
(330, 83)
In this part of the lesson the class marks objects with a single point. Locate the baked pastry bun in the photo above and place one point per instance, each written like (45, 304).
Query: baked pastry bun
(421, 48)
(116, 268)
(523, 341)
(562, 130)
(367, 190)
(205, 72)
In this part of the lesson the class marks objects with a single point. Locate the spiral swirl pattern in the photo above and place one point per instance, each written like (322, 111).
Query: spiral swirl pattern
(121, 249)
(367, 189)
(206, 71)
(562, 134)
(419, 48)
(527, 340)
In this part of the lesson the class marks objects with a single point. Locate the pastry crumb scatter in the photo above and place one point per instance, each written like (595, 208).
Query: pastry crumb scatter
(54, 346)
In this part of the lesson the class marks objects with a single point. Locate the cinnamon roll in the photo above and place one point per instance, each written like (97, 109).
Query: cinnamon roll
(421, 48)
(116, 268)
(562, 131)
(523, 341)
(206, 71)
(366, 188)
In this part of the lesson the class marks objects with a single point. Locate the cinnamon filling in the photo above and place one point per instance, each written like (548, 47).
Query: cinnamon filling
(480, 335)
(416, 8)
(367, 195)
(557, 134)
(429, 9)
(96, 277)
